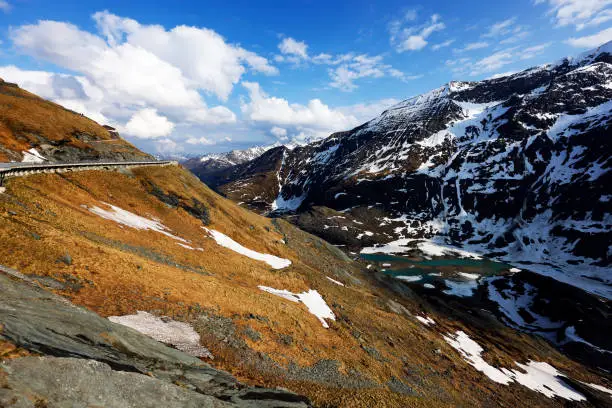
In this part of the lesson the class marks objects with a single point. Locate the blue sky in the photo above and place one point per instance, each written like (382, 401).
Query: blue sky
(195, 76)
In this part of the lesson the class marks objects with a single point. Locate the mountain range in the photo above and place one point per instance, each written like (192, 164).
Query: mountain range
(514, 168)
(434, 256)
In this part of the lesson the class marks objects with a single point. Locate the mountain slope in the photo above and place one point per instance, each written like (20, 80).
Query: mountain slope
(156, 250)
(34, 129)
(516, 168)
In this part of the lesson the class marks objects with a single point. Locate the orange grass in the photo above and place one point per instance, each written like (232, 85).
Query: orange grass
(117, 280)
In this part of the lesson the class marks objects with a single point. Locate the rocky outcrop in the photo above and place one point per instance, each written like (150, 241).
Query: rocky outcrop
(105, 364)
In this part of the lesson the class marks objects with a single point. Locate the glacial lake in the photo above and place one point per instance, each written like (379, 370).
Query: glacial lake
(457, 275)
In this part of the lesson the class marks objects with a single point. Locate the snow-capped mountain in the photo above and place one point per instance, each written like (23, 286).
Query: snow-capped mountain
(517, 168)
(206, 166)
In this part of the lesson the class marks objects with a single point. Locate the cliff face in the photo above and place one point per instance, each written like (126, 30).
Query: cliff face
(34, 129)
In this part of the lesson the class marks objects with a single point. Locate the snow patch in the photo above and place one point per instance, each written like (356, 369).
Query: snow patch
(537, 376)
(178, 334)
(426, 320)
(414, 278)
(472, 276)
(123, 217)
(312, 299)
(226, 242)
(32, 156)
(335, 281)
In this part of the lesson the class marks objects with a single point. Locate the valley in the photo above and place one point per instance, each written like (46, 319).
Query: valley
(453, 251)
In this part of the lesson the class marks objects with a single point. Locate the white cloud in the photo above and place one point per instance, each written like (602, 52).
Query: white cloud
(476, 45)
(73, 92)
(354, 67)
(5, 6)
(360, 66)
(533, 51)
(148, 124)
(178, 62)
(500, 28)
(167, 146)
(200, 141)
(347, 68)
(277, 111)
(367, 111)
(444, 44)
(202, 55)
(323, 58)
(505, 57)
(471, 46)
(493, 62)
(279, 132)
(413, 38)
(292, 47)
(507, 31)
(591, 41)
(580, 13)
(303, 123)
(128, 70)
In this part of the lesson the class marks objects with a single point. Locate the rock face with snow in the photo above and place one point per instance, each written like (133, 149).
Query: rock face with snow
(211, 166)
(254, 183)
(515, 168)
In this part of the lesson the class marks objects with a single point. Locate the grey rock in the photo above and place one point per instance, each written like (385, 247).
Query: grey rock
(71, 382)
(107, 356)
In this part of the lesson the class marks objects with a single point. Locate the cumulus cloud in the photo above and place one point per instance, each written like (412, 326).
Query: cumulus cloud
(73, 92)
(579, 13)
(262, 107)
(148, 124)
(294, 48)
(302, 123)
(167, 147)
(5, 6)
(413, 38)
(591, 41)
(279, 132)
(128, 68)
